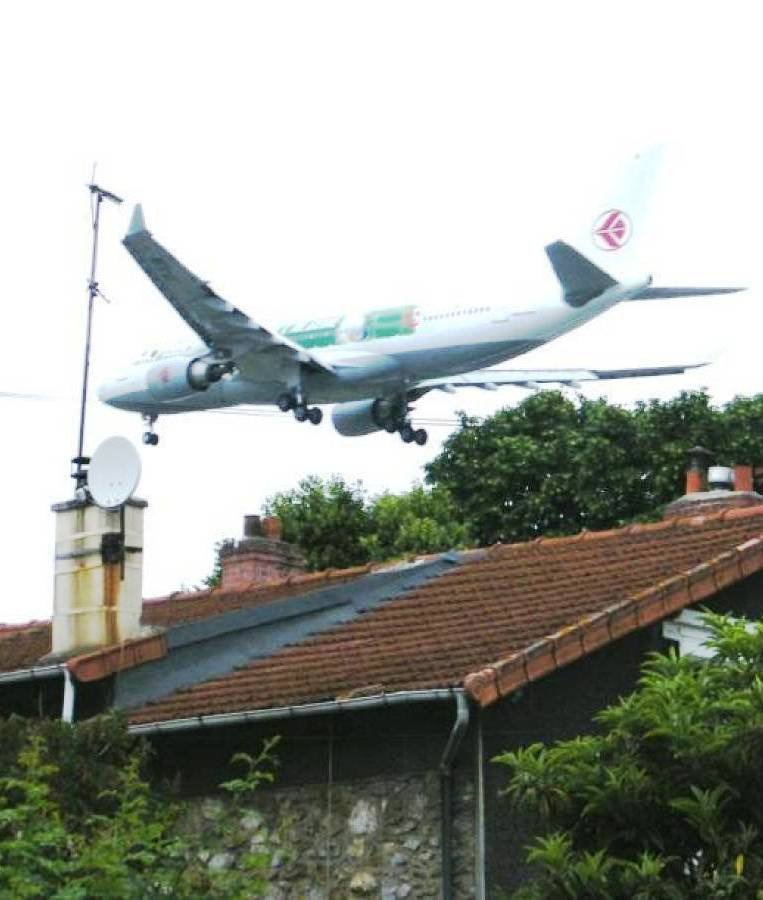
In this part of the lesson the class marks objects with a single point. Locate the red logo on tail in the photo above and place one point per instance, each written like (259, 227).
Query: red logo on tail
(612, 230)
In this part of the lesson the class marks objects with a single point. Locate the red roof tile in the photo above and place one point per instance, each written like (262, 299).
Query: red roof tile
(500, 620)
(21, 646)
(177, 609)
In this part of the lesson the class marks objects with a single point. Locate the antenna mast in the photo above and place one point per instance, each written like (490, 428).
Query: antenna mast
(97, 195)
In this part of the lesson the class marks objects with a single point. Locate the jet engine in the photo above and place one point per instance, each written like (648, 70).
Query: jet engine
(365, 416)
(174, 379)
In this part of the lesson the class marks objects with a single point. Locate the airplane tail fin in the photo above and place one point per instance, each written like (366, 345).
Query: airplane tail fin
(610, 251)
(605, 250)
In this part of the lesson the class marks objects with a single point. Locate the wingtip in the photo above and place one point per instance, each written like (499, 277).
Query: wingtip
(137, 222)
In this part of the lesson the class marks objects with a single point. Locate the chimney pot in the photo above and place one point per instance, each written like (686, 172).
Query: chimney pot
(272, 528)
(696, 473)
(743, 480)
(252, 526)
(720, 478)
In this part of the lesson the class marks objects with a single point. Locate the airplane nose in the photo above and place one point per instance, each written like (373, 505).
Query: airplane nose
(108, 392)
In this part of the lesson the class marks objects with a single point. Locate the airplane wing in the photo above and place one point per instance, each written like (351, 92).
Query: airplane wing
(224, 328)
(492, 379)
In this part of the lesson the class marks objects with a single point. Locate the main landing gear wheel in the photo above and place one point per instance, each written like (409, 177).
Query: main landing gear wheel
(410, 435)
(285, 402)
(304, 413)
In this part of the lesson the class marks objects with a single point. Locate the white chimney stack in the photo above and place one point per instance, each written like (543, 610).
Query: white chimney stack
(98, 593)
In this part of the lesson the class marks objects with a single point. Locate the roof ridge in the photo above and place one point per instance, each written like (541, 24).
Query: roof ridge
(656, 601)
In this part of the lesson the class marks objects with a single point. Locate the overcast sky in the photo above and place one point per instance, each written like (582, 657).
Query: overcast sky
(320, 157)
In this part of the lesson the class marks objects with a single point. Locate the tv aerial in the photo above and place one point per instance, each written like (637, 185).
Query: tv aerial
(114, 473)
(97, 196)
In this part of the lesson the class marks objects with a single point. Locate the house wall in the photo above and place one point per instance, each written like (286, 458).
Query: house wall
(356, 807)
(560, 706)
(556, 707)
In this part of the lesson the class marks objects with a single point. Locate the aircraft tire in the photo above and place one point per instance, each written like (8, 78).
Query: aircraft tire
(315, 414)
(285, 402)
(420, 436)
(406, 434)
(300, 413)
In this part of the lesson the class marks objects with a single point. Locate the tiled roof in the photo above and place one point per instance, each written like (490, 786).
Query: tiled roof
(21, 646)
(514, 613)
(180, 608)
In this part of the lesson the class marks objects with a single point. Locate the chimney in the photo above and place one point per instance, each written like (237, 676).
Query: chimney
(713, 488)
(696, 471)
(260, 556)
(98, 593)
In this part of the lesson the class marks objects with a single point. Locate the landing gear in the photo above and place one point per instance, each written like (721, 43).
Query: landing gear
(150, 437)
(310, 414)
(302, 412)
(392, 415)
(411, 435)
(285, 402)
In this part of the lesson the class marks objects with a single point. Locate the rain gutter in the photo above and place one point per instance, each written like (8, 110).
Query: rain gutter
(38, 673)
(220, 720)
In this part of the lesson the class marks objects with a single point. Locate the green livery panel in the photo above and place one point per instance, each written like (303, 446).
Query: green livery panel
(379, 323)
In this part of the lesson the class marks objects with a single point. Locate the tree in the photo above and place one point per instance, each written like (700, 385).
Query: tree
(78, 819)
(326, 519)
(553, 466)
(667, 800)
(336, 524)
(420, 521)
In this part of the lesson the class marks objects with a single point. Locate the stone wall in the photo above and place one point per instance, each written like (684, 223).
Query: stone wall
(377, 837)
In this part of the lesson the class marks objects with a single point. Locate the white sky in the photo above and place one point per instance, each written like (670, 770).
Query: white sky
(329, 157)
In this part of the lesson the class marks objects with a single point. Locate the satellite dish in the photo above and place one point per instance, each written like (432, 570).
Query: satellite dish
(113, 473)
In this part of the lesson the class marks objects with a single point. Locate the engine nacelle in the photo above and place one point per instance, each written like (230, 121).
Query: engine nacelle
(364, 417)
(174, 379)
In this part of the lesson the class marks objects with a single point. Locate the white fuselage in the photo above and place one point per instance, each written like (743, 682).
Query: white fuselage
(439, 343)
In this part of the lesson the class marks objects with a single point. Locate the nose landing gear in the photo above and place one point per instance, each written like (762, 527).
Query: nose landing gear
(150, 437)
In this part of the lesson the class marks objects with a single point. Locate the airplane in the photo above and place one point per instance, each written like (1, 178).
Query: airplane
(373, 367)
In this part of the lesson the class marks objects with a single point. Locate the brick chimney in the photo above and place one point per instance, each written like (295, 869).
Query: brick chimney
(713, 488)
(260, 556)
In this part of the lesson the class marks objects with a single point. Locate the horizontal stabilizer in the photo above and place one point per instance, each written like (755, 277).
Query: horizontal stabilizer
(580, 279)
(666, 293)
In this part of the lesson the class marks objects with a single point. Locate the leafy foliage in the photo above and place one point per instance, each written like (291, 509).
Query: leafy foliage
(326, 519)
(667, 800)
(214, 579)
(553, 466)
(78, 819)
(337, 525)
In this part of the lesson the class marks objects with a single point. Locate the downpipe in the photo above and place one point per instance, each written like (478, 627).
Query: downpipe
(455, 738)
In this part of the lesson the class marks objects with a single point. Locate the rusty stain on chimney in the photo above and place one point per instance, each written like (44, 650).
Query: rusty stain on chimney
(98, 581)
